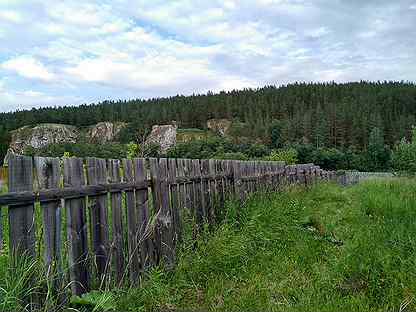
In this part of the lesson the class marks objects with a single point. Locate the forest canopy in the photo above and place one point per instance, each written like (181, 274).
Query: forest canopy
(323, 115)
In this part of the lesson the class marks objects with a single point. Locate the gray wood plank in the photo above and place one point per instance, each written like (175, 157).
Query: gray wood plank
(48, 177)
(98, 208)
(174, 199)
(198, 192)
(21, 217)
(164, 226)
(133, 232)
(206, 192)
(76, 228)
(117, 241)
(146, 231)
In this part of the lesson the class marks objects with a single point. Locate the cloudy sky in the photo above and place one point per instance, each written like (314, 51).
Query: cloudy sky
(73, 52)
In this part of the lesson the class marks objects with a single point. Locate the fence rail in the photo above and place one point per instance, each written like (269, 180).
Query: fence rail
(123, 217)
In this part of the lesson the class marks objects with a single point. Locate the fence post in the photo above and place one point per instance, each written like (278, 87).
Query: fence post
(21, 217)
(76, 227)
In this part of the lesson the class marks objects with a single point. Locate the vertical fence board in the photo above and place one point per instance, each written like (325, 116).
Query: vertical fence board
(117, 242)
(164, 229)
(198, 192)
(181, 186)
(145, 243)
(48, 177)
(132, 232)
(206, 190)
(238, 188)
(174, 191)
(98, 208)
(76, 228)
(190, 188)
(21, 217)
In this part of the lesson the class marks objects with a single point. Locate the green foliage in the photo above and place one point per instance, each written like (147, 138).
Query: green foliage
(217, 147)
(288, 155)
(276, 134)
(377, 154)
(326, 249)
(108, 151)
(19, 281)
(143, 150)
(95, 301)
(136, 131)
(404, 155)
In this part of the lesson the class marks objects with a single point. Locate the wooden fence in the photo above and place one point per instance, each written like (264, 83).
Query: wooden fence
(123, 217)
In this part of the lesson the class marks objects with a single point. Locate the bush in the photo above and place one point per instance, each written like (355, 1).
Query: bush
(404, 155)
(107, 151)
(289, 156)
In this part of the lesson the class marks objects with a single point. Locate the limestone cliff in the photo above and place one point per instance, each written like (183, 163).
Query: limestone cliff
(164, 136)
(104, 132)
(41, 136)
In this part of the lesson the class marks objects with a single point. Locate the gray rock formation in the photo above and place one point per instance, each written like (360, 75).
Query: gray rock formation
(219, 126)
(163, 135)
(41, 136)
(104, 132)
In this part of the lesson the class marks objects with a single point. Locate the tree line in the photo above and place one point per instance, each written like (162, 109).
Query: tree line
(318, 115)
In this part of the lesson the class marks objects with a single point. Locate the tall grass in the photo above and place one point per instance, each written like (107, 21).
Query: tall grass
(323, 249)
(326, 249)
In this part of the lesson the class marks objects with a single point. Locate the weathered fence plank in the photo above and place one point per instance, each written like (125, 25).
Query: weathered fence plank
(133, 233)
(174, 192)
(48, 177)
(76, 228)
(145, 243)
(98, 208)
(21, 217)
(200, 211)
(117, 242)
(164, 226)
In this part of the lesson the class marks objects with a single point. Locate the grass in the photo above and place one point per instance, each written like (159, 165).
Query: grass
(324, 249)
(328, 249)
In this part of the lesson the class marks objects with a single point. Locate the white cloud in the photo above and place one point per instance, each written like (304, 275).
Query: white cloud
(28, 67)
(11, 16)
(129, 48)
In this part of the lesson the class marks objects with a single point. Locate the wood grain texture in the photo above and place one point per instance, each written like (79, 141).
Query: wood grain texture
(117, 241)
(133, 232)
(21, 217)
(48, 177)
(76, 228)
(145, 242)
(98, 209)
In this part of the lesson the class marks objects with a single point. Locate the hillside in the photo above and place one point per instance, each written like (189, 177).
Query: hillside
(324, 115)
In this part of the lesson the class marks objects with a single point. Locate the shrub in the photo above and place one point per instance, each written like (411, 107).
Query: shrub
(288, 155)
(404, 155)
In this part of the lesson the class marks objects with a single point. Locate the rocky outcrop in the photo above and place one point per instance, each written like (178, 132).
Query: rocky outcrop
(41, 136)
(219, 126)
(164, 136)
(104, 132)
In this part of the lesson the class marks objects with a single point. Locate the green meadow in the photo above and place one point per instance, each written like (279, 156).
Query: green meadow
(326, 248)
